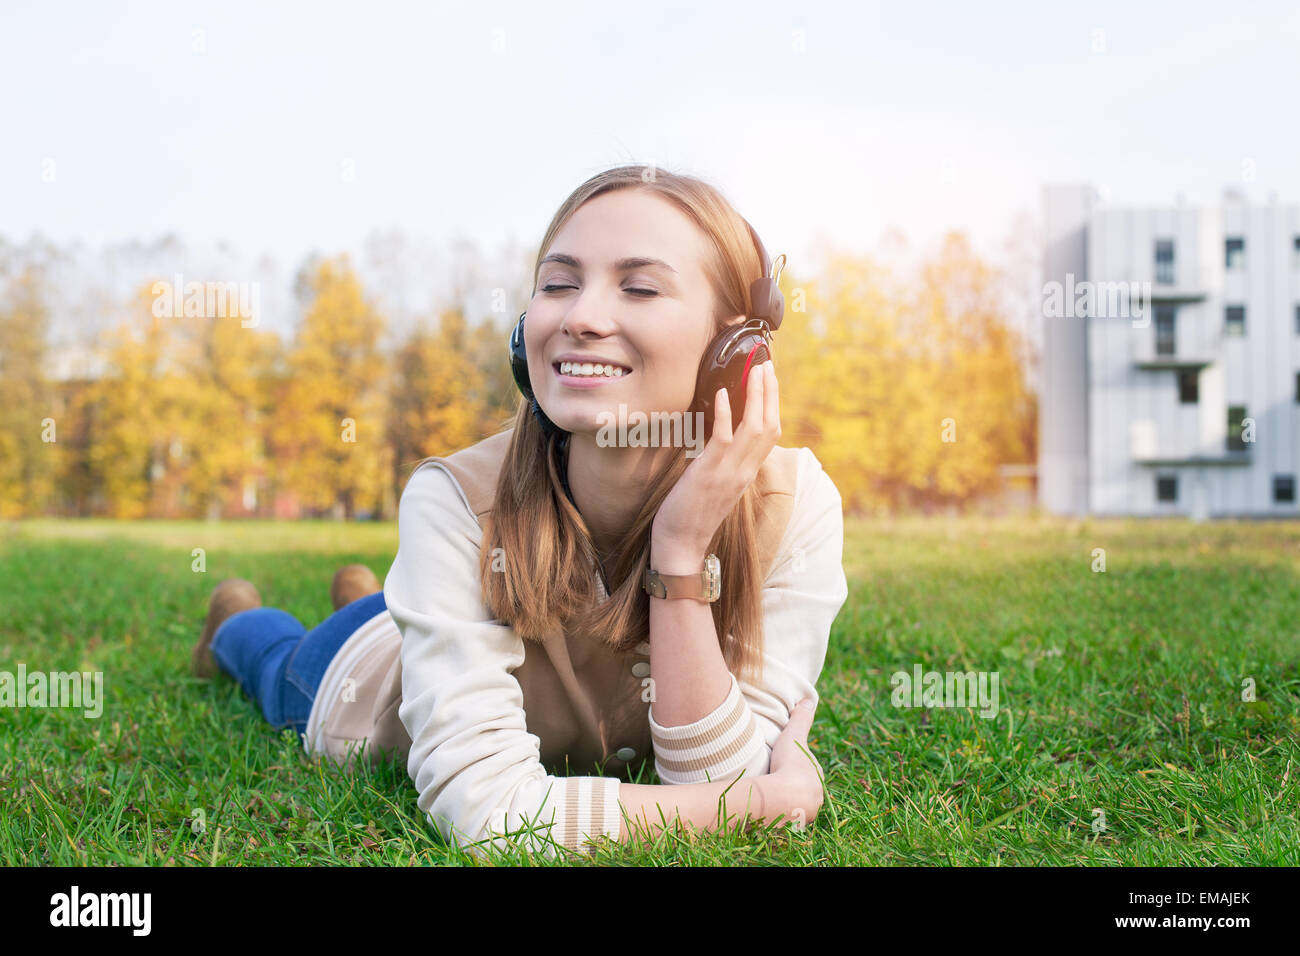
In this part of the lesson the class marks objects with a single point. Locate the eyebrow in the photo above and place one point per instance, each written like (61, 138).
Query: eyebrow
(622, 265)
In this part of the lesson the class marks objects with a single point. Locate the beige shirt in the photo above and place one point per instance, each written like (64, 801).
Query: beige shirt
(481, 764)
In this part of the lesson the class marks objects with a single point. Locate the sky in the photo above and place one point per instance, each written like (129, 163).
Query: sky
(286, 128)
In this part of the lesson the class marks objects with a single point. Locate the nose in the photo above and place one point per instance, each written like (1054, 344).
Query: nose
(589, 314)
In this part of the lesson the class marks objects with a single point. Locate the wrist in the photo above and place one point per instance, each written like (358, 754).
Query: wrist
(670, 555)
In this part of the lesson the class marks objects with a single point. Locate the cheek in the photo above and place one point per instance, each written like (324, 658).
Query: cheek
(539, 325)
(670, 376)
(539, 329)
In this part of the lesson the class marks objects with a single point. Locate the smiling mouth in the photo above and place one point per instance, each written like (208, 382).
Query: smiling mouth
(589, 371)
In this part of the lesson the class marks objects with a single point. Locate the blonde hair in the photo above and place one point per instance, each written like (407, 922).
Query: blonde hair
(549, 570)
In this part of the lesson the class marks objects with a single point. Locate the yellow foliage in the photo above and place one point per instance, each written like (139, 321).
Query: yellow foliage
(328, 428)
(909, 393)
(28, 464)
(909, 390)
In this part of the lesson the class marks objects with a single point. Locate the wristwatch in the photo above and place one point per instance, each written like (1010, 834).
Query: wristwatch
(704, 585)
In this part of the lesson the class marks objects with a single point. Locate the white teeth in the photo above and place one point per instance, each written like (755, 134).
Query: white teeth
(587, 368)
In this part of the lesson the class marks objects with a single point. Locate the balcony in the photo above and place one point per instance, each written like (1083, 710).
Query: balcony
(1190, 347)
(1173, 293)
(1222, 458)
(1156, 363)
(1167, 287)
(1144, 450)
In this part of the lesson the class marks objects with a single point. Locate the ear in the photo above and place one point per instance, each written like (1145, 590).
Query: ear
(732, 322)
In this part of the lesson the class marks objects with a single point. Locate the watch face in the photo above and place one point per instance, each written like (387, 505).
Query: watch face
(713, 574)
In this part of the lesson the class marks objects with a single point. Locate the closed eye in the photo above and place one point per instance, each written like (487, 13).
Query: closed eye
(641, 292)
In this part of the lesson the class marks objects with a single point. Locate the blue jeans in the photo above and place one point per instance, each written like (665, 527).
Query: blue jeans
(279, 663)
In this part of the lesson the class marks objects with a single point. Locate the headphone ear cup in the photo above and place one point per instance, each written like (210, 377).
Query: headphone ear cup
(724, 365)
(519, 369)
(519, 360)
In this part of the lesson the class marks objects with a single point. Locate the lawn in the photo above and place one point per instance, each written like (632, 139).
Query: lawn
(1121, 737)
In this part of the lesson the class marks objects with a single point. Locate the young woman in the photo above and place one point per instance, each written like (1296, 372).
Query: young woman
(503, 647)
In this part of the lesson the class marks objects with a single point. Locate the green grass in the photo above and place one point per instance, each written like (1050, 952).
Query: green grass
(1118, 690)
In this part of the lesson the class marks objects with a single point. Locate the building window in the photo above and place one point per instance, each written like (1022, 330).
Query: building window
(1165, 261)
(1297, 388)
(1166, 487)
(1164, 330)
(1236, 418)
(1297, 319)
(1284, 489)
(1235, 320)
(1295, 253)
(1234, 253)
(1189, 380)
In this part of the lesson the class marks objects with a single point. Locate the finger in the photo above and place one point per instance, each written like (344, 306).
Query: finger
(768, 424)
(812, 761)
(754, 400)
(722, 415)
(772, 411)
(801, 717)
(814, 764)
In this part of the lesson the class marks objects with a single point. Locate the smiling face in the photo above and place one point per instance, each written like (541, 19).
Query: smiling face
(623, 283)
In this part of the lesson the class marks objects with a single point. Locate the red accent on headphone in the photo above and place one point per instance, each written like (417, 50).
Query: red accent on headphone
(744, 376)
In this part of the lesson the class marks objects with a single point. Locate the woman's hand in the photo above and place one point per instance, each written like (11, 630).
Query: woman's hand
(796, 774)
(712, 484)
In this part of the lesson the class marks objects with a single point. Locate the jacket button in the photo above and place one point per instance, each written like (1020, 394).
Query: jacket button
(626, 753)
(640, 669)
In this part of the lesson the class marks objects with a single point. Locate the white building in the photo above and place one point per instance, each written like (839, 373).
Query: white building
(1171, 358)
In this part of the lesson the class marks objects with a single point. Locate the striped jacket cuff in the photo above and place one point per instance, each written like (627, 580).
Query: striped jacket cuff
(566, 810)
(717, 745)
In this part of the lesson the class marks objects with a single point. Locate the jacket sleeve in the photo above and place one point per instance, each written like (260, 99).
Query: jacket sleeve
(802, 596)
(476, 767)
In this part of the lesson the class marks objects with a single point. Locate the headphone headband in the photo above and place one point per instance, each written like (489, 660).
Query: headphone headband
(765, 291)
(768, 264)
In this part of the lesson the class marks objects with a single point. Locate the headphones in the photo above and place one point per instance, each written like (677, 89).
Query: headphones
(726, 362)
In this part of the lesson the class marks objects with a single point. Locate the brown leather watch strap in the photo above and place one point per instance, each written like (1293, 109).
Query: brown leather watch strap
(705, 585)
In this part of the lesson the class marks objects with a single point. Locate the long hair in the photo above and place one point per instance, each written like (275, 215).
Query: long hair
(549, 575)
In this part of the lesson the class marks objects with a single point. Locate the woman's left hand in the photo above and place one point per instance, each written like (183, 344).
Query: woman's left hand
(712, 484)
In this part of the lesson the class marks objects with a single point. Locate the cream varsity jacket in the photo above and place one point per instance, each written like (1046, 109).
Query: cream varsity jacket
(494, 729)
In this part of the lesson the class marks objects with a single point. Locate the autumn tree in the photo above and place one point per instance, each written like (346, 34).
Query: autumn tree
(843, 390)
(135, 407)
(451, 386)
(327, 428)
(28, 430)
(979, 399)
(226, 371)
(909, 391)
